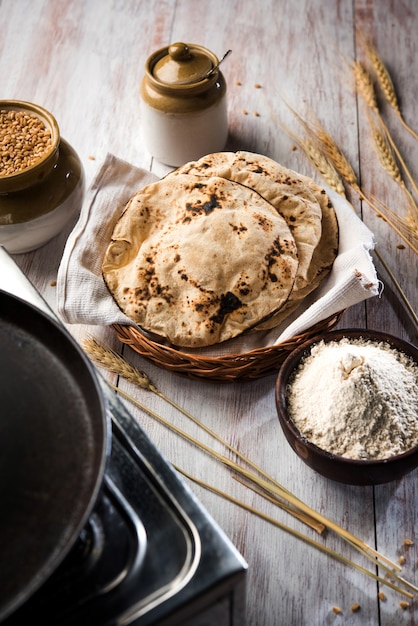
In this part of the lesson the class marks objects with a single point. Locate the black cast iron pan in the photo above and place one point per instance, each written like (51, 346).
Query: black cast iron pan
(53, 446)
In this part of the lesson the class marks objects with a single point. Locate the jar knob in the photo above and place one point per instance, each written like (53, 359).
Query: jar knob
(179, 51)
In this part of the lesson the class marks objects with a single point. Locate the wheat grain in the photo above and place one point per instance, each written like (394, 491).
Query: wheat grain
(24, 141)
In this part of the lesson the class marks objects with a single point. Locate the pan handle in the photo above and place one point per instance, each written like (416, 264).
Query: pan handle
(16, 283)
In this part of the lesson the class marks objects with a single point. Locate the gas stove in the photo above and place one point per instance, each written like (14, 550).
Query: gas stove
(149, 553)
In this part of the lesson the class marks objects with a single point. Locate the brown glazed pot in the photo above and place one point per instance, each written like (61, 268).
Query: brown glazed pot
(37, 202)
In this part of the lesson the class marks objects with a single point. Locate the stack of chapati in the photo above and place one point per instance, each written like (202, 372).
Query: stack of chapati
(229, 244)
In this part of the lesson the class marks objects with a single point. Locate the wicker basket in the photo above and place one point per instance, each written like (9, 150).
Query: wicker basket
(228, 368)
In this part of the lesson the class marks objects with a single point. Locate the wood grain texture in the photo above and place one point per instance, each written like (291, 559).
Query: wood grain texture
(84, 61)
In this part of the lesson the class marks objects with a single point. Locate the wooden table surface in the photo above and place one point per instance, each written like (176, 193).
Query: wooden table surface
(83, 61)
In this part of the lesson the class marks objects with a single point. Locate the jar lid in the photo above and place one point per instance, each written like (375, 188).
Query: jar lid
(183, 63)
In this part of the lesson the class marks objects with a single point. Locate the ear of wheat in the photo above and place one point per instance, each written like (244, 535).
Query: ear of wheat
(323, 165)
(330, 161)
(326, 145)
(385, 83)
(386, 154)
(364, 85)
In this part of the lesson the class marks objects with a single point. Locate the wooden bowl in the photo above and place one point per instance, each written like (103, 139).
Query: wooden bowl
(339, 468)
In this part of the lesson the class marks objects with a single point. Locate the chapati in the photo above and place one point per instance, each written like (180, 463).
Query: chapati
(198, 260)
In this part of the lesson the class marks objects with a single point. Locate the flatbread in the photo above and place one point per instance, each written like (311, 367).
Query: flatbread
(305, 206)
(280, 186)
(199, 260)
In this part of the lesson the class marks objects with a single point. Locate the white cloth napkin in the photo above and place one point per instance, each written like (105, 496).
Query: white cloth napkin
(82, 296)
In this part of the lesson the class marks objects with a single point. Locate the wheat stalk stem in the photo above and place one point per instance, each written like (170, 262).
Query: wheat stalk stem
(272, 487)
(398, 287)
(401, 160)
(113, 362)
(389, 217)
(386, 150)
(106, 358)
(297, 534)
(306, 519)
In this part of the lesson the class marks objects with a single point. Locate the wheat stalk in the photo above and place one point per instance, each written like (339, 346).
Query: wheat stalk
(383, 78)
(325, 143)
(298, 535)
(385, 151)
(385, 83)
(364, 85)
(386, 156)
(318, 159)
(328, 171)
(266, 482)
(113, 362)
(323, 166)
(333, 162)
(274, 488)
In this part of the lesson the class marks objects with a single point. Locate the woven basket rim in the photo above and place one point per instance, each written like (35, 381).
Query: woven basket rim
(254, 364)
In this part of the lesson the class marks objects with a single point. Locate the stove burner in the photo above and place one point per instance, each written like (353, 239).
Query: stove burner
(140, 559)
(110, 548)
(108, 553)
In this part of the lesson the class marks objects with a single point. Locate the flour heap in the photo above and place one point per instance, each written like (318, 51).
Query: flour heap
(356, 399)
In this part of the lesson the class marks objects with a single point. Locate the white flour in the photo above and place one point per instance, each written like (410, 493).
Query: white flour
(356, 399)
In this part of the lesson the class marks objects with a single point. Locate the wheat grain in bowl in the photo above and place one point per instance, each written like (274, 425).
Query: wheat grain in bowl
(41, 177)
(348, 405)
(24, 140)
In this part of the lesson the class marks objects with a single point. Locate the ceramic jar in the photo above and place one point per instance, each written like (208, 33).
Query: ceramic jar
(38, 201)
(183, 113)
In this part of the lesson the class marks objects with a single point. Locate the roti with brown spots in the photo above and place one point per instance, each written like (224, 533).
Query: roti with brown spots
(304, 205)
(287, 193)
(200, 260)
